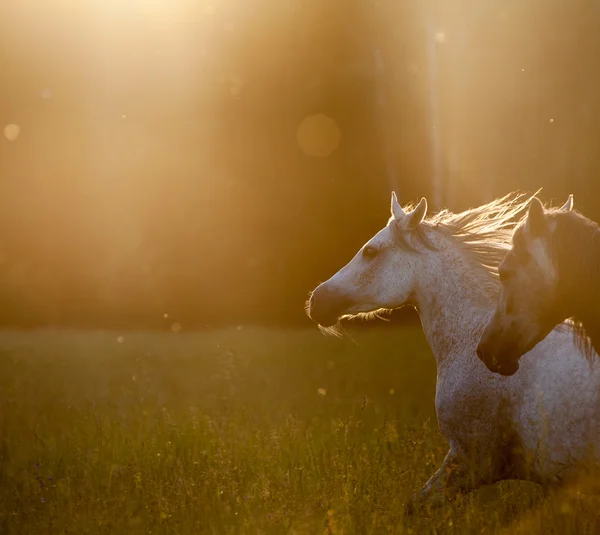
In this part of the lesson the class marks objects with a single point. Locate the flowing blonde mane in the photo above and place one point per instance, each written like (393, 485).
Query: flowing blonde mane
(484, 233)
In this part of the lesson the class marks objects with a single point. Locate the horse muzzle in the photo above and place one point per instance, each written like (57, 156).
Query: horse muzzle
(326, 305)
(503, 366)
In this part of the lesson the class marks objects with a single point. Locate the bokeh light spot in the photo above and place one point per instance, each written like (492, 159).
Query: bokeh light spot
(46, 93)
(318, 135)
(176, 327)
(12, 131)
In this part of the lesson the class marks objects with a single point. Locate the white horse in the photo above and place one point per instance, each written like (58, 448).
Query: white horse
(543, 423)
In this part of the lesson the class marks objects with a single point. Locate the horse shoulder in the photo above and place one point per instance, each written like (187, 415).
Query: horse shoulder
(467, 401)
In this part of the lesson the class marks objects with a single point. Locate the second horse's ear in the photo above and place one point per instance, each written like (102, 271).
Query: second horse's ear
(568, 206)
(535, 225)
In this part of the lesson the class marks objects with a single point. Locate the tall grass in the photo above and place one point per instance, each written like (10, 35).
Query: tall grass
(236, 431)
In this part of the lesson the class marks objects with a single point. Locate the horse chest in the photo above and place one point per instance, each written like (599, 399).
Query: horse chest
(465, 408)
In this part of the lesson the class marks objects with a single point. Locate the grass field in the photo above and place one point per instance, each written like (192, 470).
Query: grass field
(237, 431)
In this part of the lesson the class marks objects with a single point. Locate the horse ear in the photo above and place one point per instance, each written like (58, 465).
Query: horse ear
(568, 206)
(397, 211)
(536, 222)
(417, 215)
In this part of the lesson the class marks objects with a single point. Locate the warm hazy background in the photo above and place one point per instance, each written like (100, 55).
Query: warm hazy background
(159, 166)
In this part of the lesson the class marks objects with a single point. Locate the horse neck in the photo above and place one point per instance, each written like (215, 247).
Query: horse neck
(577, 261)
(452, 304)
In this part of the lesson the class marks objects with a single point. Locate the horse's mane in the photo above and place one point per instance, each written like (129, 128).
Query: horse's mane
(483, 233)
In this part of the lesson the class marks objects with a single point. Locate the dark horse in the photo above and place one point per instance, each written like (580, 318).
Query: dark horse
(551, 274)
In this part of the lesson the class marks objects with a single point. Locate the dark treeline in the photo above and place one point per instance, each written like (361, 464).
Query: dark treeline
(157, 169)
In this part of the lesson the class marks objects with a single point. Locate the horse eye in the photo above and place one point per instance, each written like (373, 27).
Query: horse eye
(369, 252)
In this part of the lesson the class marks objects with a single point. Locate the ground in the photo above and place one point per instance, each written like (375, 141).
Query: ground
(242, 430)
